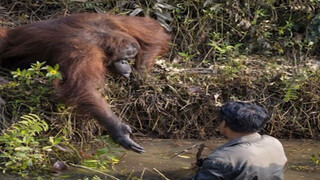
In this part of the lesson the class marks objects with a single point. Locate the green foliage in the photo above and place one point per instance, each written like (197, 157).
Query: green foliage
(214, 29)
(31, 88)
(293, 83)
(222, 47)
(25, 152)
(104, 157)
(35, 73)
(313, 34)
(21, 150)
(316, 159)
(52, 72)
(232, 67)
(186, 56)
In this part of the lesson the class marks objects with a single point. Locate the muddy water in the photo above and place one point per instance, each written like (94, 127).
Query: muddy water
(156, 163)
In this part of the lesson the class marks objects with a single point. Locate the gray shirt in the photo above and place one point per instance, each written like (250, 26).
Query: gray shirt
(248, 157)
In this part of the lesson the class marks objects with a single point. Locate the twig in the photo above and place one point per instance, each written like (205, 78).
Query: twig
(161, 174)
(186, 150)
(87, 168)
(141, 176)
(129, 176)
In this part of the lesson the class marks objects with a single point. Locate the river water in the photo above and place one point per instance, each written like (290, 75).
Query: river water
(159, 152)
(157, 162)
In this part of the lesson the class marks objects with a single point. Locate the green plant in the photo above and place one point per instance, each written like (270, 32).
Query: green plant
(316, 159)
(293, 84)
(222, 47)
(231, 69)
(52, 72)
(31, 88)
(104, 157)
(35, 72)
(186, 56)
(313, 34)
(21, 150)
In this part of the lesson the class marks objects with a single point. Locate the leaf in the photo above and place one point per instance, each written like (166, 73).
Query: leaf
(38, 156)
(183, 156)
(182, 54)
(56, 141)
(90, 161)
(20, 155)
(9, 163)
(47, 148)
(58, 75)
(102, 151)
(23, 149)
(51, 140)
(56, 67)
(115, 160)
(29, 163)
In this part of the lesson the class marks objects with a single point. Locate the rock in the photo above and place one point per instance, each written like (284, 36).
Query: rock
(59, 166)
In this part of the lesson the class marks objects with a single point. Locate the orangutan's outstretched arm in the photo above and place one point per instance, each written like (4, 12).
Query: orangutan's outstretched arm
(82, 74)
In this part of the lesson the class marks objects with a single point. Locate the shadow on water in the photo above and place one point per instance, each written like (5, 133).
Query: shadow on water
(156, 162)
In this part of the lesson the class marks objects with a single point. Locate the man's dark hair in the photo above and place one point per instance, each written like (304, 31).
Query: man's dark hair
(243, 117)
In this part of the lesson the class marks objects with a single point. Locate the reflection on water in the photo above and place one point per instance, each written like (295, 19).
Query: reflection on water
(155, 163)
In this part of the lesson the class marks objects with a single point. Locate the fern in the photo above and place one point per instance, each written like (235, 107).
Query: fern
(30, 124)
(291, 92)
(20, 148)
(293, 84)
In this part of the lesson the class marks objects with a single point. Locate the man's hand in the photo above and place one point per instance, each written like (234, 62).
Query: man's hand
(199, 162)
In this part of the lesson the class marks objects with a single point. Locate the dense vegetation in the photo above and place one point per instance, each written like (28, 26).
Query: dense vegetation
(265, 52)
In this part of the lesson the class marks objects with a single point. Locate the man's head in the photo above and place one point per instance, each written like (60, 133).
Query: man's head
(243, 117)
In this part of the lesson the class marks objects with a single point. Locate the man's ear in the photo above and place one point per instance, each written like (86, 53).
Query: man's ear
(222, 127)
(225, 124)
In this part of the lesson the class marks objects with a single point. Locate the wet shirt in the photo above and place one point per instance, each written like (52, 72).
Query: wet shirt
(248, 157)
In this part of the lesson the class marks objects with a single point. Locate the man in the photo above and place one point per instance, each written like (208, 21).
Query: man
(247, 155)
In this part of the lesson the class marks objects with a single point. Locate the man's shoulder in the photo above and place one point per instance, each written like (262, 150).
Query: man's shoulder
(265, 142)
(271, 140)
(269, 137)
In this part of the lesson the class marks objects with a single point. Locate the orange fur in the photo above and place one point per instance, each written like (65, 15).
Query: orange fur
(83, 45)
